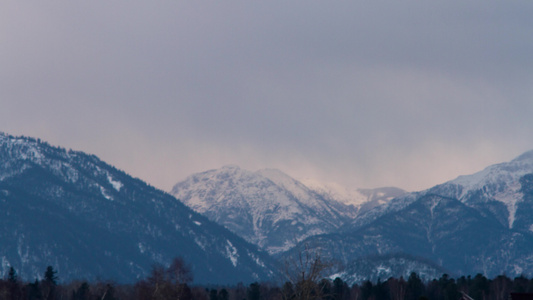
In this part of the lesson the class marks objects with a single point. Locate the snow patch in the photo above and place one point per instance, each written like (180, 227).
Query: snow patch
(71, 173)
(199, 241)
(105, 194)
(5, 265)
(518, 269)
(117, 185)
(257, 260)
(436, 202)
(231, 253)
(339, 275)
(510, 197)
(384, 270)
(142, 248)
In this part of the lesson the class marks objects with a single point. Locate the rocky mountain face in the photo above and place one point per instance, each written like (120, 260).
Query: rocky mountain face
(267, 208)
(89, 220)
(481, 223)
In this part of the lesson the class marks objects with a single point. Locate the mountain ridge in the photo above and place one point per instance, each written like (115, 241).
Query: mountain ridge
(475, 230)
(64, 208)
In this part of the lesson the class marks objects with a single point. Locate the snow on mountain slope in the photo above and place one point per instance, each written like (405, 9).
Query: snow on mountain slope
(267, 208)
(497, 192)
(496, 189)
(494, 175)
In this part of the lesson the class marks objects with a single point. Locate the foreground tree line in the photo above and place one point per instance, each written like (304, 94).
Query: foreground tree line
(174, 282)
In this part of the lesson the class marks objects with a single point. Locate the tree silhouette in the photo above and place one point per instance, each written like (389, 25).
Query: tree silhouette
(304, 272)
(254, 293)
(12, 275)
(50, 275)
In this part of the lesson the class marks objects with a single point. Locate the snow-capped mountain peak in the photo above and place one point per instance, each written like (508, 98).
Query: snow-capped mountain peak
(499, 182)
(267, 207)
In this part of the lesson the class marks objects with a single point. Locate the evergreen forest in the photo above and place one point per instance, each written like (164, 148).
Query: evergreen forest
(176, 282)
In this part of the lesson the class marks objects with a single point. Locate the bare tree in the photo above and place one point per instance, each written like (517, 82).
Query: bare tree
(167, 283)
(304, 272)
(179, 272)
(501, 287)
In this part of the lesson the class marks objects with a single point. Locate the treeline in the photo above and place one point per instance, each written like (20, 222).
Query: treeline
(174, 282)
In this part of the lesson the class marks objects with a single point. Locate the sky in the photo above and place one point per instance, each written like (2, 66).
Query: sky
(362, 93)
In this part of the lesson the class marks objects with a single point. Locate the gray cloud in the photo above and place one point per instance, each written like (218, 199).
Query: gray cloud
(367, 94)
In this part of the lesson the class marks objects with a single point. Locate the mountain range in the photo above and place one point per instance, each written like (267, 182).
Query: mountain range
(478, 223)
(90, 220)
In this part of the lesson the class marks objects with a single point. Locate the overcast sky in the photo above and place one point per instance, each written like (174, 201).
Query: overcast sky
(362, 93)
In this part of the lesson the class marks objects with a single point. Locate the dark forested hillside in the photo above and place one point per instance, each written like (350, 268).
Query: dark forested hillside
(90, 220)
(443, 230)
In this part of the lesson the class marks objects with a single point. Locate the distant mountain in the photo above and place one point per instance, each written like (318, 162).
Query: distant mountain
(498, 192)
(362, 199)
(481, 223)
(89, 220)
(267, 208)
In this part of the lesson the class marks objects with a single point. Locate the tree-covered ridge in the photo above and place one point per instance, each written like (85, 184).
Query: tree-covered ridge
(91, 220)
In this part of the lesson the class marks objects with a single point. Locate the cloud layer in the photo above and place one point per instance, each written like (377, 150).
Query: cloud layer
(365, 94)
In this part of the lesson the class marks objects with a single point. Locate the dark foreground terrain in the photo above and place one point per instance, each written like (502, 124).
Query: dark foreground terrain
(176, 282)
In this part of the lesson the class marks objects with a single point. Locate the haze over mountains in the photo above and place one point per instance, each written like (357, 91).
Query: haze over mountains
(88, 219)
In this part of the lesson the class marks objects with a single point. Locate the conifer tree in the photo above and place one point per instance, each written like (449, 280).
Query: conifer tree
(254, 293)
(12, 275)
(213, 294)
(50, 275)
(223, 294)
(415, 287)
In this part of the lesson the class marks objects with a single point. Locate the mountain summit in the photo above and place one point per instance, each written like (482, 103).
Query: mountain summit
(497, 191)
(267, 208)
